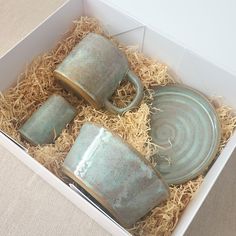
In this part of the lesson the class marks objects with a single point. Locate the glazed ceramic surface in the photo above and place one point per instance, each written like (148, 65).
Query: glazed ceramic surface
(186, 127)
(115, 174)
(94, 69)
(48, 121)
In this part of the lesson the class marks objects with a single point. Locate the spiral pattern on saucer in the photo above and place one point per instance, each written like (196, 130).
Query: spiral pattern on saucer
(186, 127)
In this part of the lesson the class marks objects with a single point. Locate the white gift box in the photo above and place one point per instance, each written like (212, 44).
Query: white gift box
(184, 64)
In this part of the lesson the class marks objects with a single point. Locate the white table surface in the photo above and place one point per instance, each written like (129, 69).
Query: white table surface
(31, 207)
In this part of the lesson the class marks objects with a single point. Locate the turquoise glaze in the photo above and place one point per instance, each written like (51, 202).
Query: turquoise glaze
(186, 127)
(115, 174)
(48, 121)
(94, 69)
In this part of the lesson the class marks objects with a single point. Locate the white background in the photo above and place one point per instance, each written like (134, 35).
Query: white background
(207, 27)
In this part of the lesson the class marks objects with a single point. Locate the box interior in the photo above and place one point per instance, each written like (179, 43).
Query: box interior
(185, 65)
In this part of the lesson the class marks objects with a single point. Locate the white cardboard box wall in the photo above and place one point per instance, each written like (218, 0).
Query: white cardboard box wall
(193, 70)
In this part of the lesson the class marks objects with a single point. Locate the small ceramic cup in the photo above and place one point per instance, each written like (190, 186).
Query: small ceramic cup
(94, 70)
(115, 174)
(48, 121)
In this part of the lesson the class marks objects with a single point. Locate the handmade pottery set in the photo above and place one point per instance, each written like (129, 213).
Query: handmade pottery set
(184, 125)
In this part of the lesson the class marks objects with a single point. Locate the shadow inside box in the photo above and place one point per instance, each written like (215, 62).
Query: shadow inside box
(88, 197)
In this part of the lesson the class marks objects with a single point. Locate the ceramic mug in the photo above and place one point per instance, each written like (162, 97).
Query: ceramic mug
(115, 174)
(94, 70)
(48, 121)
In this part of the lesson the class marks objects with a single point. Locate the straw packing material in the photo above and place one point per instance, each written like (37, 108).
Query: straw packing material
(37, 83)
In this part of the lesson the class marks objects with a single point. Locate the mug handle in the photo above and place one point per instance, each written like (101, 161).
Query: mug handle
(137, 99)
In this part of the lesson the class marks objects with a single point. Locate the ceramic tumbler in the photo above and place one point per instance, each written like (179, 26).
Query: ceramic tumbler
(48, 121)
(115, 174)
(94, 70)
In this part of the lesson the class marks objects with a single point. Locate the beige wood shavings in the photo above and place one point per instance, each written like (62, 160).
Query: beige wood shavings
(163, 219)
(36, 84)
(228, 124)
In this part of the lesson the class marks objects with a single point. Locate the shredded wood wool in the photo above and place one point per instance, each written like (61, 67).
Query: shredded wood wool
(37, 83)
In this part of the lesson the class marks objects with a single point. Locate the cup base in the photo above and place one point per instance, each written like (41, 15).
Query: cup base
(98, 198)
(77, 89)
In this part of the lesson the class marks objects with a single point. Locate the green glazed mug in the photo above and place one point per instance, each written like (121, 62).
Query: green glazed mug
(94, 70)
(115, 174)
(48, 121)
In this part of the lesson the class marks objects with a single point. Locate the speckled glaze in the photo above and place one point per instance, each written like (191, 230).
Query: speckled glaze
(187, 128)
(115, 174)
(48, 121)
(94, 69)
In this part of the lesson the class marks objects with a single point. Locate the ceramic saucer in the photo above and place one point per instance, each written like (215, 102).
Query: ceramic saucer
(186, 127)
